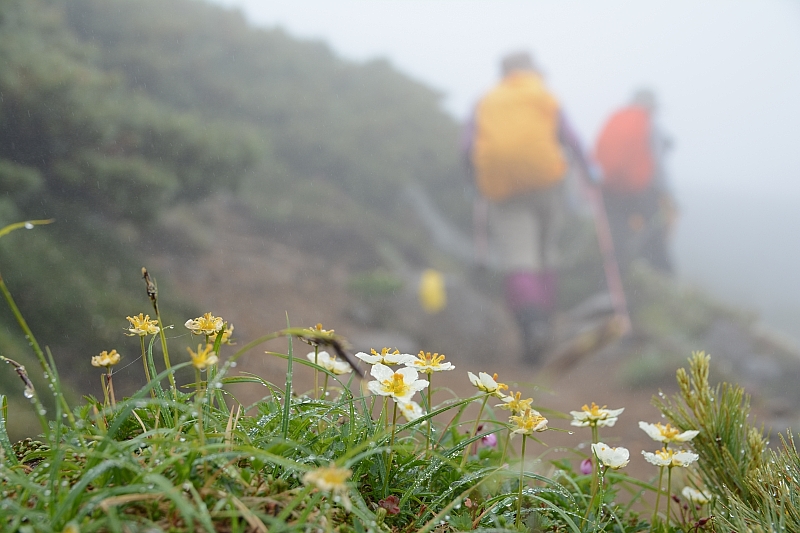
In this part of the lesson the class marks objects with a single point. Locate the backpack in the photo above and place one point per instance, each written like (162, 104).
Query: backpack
(624, 150)
(516, 147)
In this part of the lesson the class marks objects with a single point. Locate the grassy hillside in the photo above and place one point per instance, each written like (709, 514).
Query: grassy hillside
(115, 113)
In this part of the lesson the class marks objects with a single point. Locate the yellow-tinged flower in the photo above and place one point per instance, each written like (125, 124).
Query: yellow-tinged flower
(329, 363)
(699, 497)
(207, 324)
(385, 357)
(667, 457)
(411, 410)
(516, 405)
(203, 357)
(315, 333)
(227, 332)
(400, 385)
(488, 384)
(106, 359)
(595, 416)
(428, 363)
(667, 434)
(331, 479)
(529, 422)
(142, 326)
(614, 458)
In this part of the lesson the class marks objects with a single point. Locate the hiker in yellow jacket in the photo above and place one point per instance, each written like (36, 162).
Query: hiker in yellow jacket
(516, 143)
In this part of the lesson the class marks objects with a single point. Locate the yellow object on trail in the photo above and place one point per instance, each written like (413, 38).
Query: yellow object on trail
(432, 294)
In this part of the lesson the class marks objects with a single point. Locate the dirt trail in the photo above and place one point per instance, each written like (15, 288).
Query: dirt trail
(254, 280)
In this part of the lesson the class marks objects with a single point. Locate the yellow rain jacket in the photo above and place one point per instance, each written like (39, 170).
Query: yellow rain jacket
(516, 147)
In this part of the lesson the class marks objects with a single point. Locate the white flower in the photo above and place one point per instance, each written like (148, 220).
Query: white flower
(665, 457)
(684, 458)
(329, 363)
(614, 458)
(400, 385)
(595, 416)
(207, 324)
(661, 433)
(696, 496)
(331, 479)
(427, 362)
(411, 410)
(486, 383)
(142, 326)
(203, 357)
(529, 422)
(106, 359)
(386, 357)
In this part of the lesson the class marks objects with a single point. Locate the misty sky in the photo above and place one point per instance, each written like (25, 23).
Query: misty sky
(727, 75)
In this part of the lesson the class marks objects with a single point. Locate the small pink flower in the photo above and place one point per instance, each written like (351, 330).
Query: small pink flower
(586, 466)
(489, 440)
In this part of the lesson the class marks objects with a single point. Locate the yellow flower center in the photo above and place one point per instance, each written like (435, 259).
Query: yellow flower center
(500, 386)
(529, 421)
(207, 322)
(329, 478)
(142, 325)
(668, 431)
(516, 404)
(204, 357)
(594, 410)
(429, 359)
(396, 386)
(335, 476)
(664, 454)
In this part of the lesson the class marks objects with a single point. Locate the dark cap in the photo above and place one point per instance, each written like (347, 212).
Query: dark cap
(517, 61)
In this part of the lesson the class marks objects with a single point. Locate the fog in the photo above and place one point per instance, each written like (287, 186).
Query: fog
(727, 76)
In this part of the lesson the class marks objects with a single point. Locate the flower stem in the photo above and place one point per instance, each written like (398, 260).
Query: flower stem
(316, 372)
(200, 412)
(521, 478)
(475, 429)
(146, 369)
(430, 408)
(110, 383)
(390, 455)
(669, 493)
(658, 494)
(505, 448)
(595, 468)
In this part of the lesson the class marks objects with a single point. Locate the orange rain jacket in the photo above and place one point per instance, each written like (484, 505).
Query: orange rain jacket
(624, 150)
(516, 147)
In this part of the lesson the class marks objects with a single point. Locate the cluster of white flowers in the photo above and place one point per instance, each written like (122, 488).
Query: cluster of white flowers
(615, 458)
(400, 384)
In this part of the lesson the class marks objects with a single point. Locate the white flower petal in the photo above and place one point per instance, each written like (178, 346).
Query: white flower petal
(687, 435)
(381, 372)
(367, 358)
(684, 458)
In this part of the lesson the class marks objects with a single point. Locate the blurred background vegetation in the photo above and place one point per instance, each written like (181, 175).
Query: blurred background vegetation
(113, 114)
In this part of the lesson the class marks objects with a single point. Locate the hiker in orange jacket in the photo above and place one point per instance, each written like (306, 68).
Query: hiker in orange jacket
(516, 143)
(629, 151)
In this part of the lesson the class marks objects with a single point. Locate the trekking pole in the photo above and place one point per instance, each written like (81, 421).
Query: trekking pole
(610, 265)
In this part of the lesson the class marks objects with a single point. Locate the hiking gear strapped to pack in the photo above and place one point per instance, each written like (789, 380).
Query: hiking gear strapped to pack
(624, 150)
(516, 147)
